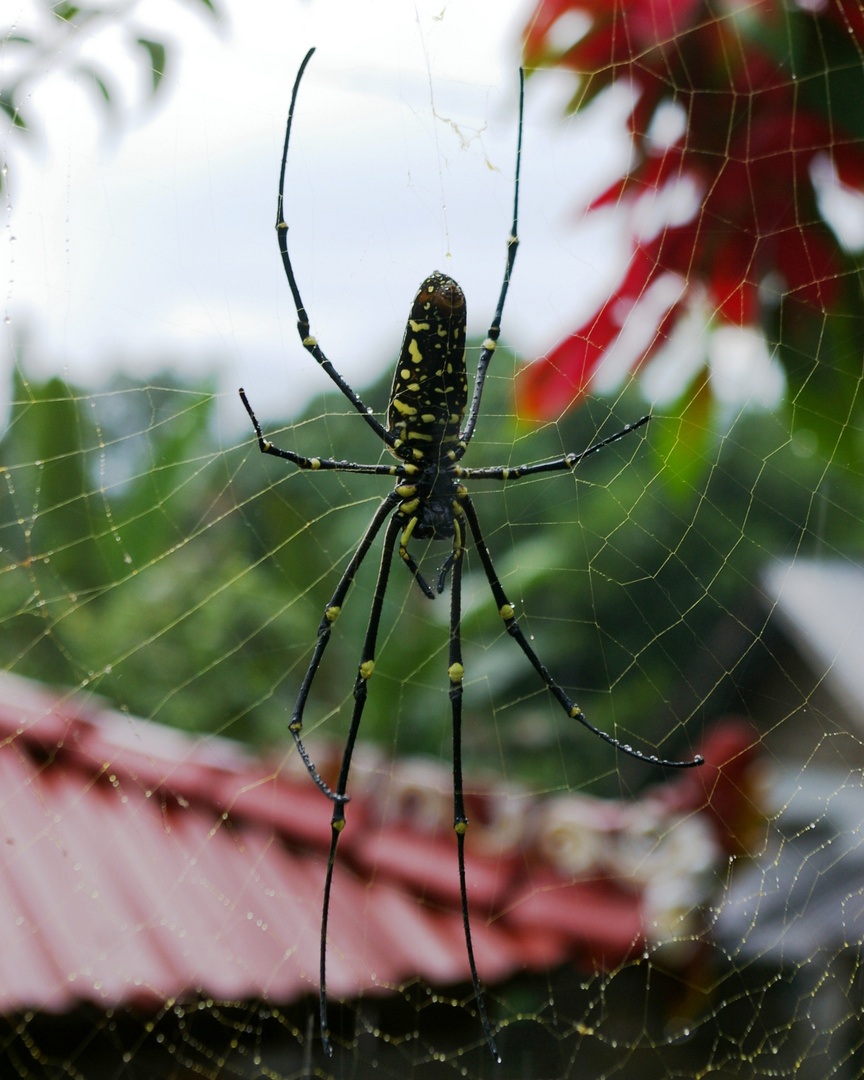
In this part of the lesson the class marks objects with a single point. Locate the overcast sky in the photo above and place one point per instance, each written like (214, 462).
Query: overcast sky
(151, 244)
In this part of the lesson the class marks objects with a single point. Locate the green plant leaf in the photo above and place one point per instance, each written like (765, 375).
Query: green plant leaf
(157, 53)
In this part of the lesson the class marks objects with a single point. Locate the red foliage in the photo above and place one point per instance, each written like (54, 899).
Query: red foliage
(749, 146)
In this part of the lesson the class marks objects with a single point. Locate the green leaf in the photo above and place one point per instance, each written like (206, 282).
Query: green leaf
(7, 104)
(101, 85)
(157, 54)
(66, 12)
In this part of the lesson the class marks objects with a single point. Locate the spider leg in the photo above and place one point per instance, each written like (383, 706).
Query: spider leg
(491, 342)
(444, 571)
(337, 822)
(310, 343)
(505, 610)
(455, 673)
(331, 614)
(266, 447)
(569, 461)
(407, 558)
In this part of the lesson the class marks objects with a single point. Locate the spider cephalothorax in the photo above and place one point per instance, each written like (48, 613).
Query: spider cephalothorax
(429, 433)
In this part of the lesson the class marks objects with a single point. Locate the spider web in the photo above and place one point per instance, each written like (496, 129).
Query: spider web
(697, 586)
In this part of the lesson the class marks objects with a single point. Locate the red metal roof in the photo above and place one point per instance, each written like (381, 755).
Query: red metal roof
(140, 864)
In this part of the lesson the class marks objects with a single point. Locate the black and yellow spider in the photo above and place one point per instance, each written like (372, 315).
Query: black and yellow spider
(425, 433)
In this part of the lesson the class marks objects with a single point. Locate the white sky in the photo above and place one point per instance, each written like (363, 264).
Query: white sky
(151, 244)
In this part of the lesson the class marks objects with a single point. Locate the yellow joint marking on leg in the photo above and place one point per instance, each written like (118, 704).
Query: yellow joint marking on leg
(418, 455)
(506, 612)
(461, 827)
(310, 342)
(456, 673)
(410, 507)
(461, 492)
(338, 825)
(331, 614)
(458, 546)
(411, 470)
(314, 463)
(575, 712)
(490, 344)
(418, 326)
(366, 669)
(414, 350)
(406, 536)
(405, 491)
(295, 725)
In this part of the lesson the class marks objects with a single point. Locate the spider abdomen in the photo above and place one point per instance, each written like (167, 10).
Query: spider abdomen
(430, 385)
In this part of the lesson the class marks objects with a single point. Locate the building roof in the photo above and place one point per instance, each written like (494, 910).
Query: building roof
(141, 865)
(803, 897)
(820, 605)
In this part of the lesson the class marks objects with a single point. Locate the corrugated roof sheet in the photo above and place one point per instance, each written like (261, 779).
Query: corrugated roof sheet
(140, 865)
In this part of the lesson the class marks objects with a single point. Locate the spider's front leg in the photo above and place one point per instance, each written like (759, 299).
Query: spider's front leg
(456, 674)
(406, 556)
(507, 613)
(340, 797)
(325, 628)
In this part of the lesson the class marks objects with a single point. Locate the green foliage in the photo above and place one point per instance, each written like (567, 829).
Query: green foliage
(185, 581)
(53, 42)
(157, 53)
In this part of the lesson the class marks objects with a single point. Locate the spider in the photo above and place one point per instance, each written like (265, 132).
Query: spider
(426, 434)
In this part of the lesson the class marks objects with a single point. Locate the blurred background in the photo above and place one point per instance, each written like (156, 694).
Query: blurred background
(691, 222)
